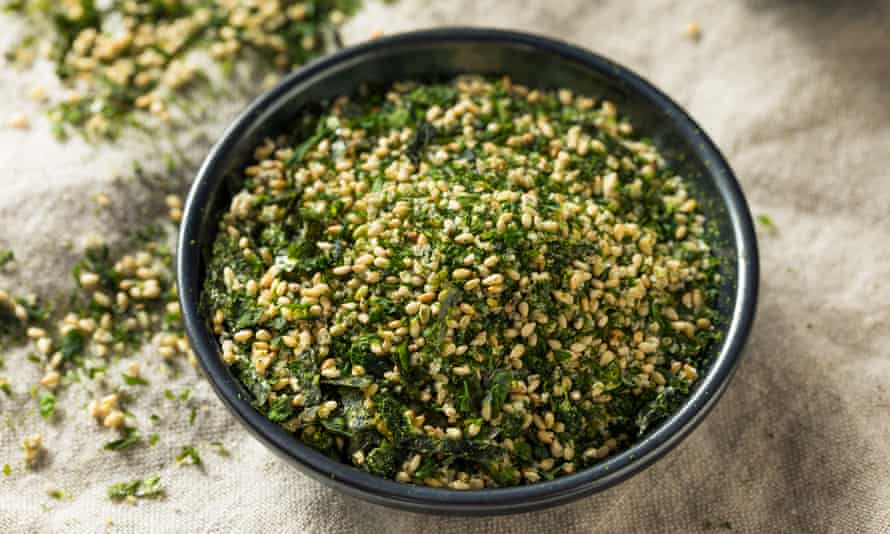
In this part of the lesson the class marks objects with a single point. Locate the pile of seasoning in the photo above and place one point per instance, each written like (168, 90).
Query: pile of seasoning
(464, 285)
(130, 63)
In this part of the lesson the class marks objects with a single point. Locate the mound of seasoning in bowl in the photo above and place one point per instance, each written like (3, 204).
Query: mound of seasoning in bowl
(464, 285)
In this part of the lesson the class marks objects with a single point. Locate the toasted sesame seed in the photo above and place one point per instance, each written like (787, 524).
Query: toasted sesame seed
(243, 336)
(465, 238)
(19, 121)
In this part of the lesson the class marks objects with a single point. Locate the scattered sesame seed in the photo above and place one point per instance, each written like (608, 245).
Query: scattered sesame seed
(19, 121)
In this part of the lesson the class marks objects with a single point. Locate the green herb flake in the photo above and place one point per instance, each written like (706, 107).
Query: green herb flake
(767, 223)
(182, 397)
(189, 455)
(47, 406)
(281, 409)
(131, 437)
(6, 256)
(72, 344)
(220, 448)
(148, 488)
(134, 380)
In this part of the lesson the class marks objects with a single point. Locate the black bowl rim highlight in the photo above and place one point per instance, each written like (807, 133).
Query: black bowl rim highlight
(496, 500)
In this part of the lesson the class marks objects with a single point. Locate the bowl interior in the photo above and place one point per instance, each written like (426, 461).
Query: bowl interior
(438, 56)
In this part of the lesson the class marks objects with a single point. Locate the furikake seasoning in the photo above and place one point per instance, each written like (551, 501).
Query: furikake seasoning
(135, 63)
(464, 285)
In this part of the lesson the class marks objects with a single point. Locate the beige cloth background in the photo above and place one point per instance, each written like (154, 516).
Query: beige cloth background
(797, 94)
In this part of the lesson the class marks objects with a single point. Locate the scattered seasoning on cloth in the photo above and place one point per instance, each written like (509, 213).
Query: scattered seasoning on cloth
(149, 487)
(131, 64)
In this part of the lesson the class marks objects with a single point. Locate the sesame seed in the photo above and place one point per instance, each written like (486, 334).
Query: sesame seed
(19, 121)
(465, 238)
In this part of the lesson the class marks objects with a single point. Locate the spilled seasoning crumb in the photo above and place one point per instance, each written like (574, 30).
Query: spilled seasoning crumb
(693, 31)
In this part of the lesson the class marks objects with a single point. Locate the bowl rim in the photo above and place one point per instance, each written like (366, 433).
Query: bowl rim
(496, 500)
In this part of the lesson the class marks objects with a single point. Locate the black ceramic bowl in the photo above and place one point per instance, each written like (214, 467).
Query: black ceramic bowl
(533, 61)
